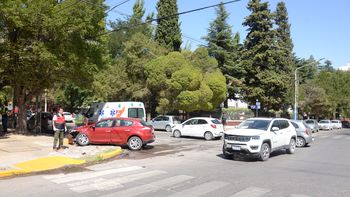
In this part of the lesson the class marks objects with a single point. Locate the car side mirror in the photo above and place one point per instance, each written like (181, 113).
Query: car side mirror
(275, 129)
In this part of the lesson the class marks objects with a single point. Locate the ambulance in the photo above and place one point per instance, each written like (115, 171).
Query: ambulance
(129, 109)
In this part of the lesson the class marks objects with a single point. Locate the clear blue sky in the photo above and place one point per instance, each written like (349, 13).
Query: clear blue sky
(319, 28)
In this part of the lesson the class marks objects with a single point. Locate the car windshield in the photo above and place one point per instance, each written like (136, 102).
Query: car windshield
(324, 121)
(216, 121)
(334, 121)
(255, 124)
(309, 122)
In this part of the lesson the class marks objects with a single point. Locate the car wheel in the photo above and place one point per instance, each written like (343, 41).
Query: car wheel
(264, 152)
(82, 139)
(135, 143)
(168, 128)
(292, 145)
(208, 135)
(300, 142)
(177, 134)
(226, 155)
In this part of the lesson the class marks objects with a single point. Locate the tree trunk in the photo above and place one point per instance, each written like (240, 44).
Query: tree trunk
(21, 97)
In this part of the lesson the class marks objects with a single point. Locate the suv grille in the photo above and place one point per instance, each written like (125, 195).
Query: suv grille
(237, 138)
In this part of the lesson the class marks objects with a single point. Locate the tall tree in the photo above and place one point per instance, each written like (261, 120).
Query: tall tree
(168, 31)
(225, 48)
(264, 79)
(49, 42)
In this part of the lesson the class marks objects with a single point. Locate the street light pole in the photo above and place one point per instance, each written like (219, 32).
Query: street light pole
(296, 86)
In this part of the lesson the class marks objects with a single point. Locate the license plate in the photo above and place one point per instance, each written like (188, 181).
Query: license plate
(236, 148)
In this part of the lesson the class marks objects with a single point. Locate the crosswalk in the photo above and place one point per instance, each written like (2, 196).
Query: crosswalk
(130, 181)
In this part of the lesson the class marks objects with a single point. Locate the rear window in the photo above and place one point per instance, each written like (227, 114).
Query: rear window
(216, 121)
(145, 123)
(136, 113)
(309, 121)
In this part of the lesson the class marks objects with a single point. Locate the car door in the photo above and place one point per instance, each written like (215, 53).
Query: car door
(121, 131)
(102, 131)
(275, 134)
(156, 122)
(200, 128)
(164, 122)
(285, 132)
(188, 127)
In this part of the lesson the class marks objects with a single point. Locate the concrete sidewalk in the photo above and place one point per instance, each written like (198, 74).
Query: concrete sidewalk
(21, 154)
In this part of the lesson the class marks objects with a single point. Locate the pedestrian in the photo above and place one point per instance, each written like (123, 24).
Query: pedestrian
(59, 127)
(4, 115)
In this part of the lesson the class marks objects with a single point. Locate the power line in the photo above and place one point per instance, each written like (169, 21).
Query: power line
(169, 16)
(119, 4)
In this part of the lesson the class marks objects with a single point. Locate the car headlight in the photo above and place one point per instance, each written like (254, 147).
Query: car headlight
(255, 137)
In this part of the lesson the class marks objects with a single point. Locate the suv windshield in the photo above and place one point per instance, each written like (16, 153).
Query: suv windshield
(255, 124)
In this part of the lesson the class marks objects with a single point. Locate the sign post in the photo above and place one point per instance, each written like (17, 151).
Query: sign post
(257, 104)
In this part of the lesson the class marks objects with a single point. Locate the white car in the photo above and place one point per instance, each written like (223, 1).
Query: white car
(336, 124)
(209, 128)
(68, 117)
(325, 125)
(259, 137)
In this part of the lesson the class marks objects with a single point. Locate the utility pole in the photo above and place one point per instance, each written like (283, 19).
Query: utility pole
(296, 86)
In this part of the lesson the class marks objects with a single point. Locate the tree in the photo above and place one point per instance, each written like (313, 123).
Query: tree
(45, 43)
(327, 66)
(168, 32)
(225, 48)
(184, 84)
(265, 79)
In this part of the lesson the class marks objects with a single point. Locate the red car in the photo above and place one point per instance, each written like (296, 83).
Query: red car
(121, 131)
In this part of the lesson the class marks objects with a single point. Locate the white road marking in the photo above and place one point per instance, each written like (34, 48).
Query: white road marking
(201, 189)
(251, 192)
(84, 176)
(151, 187)
(112, 183)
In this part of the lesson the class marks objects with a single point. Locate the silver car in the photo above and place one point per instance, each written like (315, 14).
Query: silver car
(313, 125)
(304, 133)
(165, 122)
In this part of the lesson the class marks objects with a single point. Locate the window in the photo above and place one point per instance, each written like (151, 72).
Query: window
(283, 124)
(201, 121)
(255, 124)
(104, 123)
(216, 121)
(159, 118)
(136, 113)
(295, 125)
(309, 122)
(276, 124)
(191, 122)
(165, 118)
(123, 123)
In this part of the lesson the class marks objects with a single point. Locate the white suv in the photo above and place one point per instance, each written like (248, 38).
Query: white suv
(259, 137)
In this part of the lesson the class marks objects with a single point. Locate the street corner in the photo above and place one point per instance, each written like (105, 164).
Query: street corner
(111, 153)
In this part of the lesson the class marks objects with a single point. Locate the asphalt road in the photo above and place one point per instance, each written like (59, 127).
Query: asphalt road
(195, 167)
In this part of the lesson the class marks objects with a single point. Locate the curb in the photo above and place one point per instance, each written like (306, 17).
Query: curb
(53, 162)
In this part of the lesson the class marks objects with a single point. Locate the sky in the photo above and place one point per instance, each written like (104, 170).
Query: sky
(318, 27)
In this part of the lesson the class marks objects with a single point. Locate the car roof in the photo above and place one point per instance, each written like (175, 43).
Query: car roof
(264, 118)
(115, 118)
(207, 118)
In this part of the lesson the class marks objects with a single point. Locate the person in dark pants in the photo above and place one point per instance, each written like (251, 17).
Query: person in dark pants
(59, 126)
(4, 116)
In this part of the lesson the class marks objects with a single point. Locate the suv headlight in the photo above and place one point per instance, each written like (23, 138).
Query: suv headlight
(255, 137)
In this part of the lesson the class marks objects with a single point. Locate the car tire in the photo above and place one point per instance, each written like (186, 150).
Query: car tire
(264, 154)
(208, 135)
(82, 139)
(300, 142)
(177, 134)
(226, 155)
(135, 143)
(168, 128)
(292, 146)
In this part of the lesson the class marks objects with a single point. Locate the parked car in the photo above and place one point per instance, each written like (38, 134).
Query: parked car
(46, 122)
(68, 117)
(345, 124)
(134, 133)
(209, 128)
(313, 125)
(336, 124)
(259, 137)
(165, 122)
(325, 125)
(304, 133)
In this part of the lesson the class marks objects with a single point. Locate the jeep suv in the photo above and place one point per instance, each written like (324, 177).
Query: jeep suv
(259, 137)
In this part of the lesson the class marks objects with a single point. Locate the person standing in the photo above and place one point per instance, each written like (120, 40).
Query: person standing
(59, 126)
(4, 115)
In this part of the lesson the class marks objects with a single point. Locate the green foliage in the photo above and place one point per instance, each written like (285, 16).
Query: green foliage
(168, 32)
(182, 83)
(225, 48)
(267, 76)
(237, 113)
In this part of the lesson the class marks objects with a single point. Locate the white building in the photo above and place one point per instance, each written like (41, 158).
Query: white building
(237, 103)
